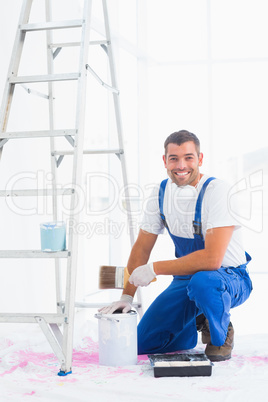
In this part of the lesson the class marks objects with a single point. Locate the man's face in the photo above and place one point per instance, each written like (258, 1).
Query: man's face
(182, 163)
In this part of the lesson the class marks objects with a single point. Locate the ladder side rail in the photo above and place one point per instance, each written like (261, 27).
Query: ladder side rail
(77, 181)
(51, 107)
(120, 137)
(118, 118)
(13, 68)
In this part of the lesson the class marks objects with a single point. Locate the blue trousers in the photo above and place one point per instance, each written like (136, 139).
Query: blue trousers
(169, 324)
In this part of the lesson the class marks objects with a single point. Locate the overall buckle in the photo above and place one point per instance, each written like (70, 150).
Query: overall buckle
(197, 225)
(164, 221)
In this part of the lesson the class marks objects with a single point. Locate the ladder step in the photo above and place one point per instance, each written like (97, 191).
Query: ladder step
(35, 192)
(37, 134)
(96, 305)
(33, 254)
(91, 152)
(43, 78)
(74, 44)
(52, 25)
(32, 318)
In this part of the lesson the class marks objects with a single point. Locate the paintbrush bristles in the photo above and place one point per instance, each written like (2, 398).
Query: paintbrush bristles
(112, 277)
(107, 277)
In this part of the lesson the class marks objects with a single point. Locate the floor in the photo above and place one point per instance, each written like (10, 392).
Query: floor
(28, 371)
(28, 368)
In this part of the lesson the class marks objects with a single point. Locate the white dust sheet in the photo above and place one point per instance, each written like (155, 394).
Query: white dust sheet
(28, 372)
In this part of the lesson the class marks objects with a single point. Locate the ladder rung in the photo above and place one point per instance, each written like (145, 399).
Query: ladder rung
(32, 318)
(34, 134)
(43, 78)
(35, 192)
(73, 44)
(51, 25)
(91, 152)
(96, 305)
(64, 44)
(33, 254)
(99, 42)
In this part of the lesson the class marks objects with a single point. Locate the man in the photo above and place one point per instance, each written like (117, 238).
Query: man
(209, 272)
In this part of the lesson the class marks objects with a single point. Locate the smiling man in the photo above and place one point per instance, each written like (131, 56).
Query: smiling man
(182, 162)
(210, 269)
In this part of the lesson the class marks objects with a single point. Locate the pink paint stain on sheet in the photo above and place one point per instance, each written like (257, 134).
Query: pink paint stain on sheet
(87, 354)
(81, 358)
(218, 389)
(30, 393)
(143, 359)
(84, 357)
(117, 371)
(20, 365)
(38, 359)
(68, 379)
(6, 343)
(38, 381)
(253, 360)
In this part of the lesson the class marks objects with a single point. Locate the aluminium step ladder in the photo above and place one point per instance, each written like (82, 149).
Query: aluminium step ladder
(58, 327)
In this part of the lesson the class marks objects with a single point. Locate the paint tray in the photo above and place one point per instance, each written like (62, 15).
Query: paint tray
(180, 365)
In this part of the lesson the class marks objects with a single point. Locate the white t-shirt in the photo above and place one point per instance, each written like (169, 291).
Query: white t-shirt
(179, 210)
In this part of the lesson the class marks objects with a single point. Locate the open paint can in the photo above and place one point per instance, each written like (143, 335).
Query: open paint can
(117, 339)
(53, 236)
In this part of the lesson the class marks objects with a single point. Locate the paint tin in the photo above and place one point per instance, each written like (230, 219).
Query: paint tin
(53, 236)
(117, 339)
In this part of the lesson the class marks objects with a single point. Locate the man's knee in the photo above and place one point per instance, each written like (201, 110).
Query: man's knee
(204, 284)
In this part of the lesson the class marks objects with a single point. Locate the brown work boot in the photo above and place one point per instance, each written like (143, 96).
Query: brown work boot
(203, 327)
(220, 353)
(205, 332)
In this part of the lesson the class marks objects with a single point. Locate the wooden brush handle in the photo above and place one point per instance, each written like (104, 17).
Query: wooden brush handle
(127, 276)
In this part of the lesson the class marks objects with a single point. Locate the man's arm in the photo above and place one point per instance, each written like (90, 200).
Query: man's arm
(139, 255)
(210, 258)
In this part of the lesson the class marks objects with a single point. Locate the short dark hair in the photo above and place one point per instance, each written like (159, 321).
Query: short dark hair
(179, 137)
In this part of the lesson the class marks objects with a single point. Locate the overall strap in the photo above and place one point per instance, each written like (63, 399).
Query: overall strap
(161, 200)
(197, 218)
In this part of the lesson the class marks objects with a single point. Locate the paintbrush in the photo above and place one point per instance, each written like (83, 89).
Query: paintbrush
(112, 277)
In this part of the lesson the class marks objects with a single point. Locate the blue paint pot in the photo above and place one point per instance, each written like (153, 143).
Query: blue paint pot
(53, 236)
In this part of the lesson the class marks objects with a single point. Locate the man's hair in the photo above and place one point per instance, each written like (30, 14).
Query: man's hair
(179, 137)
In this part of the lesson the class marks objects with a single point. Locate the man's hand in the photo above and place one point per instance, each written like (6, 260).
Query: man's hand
(143, 275)
(125, 303)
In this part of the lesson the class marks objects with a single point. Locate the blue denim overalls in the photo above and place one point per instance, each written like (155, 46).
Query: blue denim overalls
(169, 324)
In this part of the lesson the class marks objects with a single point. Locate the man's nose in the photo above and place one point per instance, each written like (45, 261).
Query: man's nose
(181, 165)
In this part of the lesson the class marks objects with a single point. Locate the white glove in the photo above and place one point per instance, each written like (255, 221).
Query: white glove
(124, 303)
(143, 275)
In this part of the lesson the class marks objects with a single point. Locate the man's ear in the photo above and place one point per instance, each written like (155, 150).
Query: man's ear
(200, 159)
(164, 159)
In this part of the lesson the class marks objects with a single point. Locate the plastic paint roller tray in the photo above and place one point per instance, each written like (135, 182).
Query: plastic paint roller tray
(181, 365)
